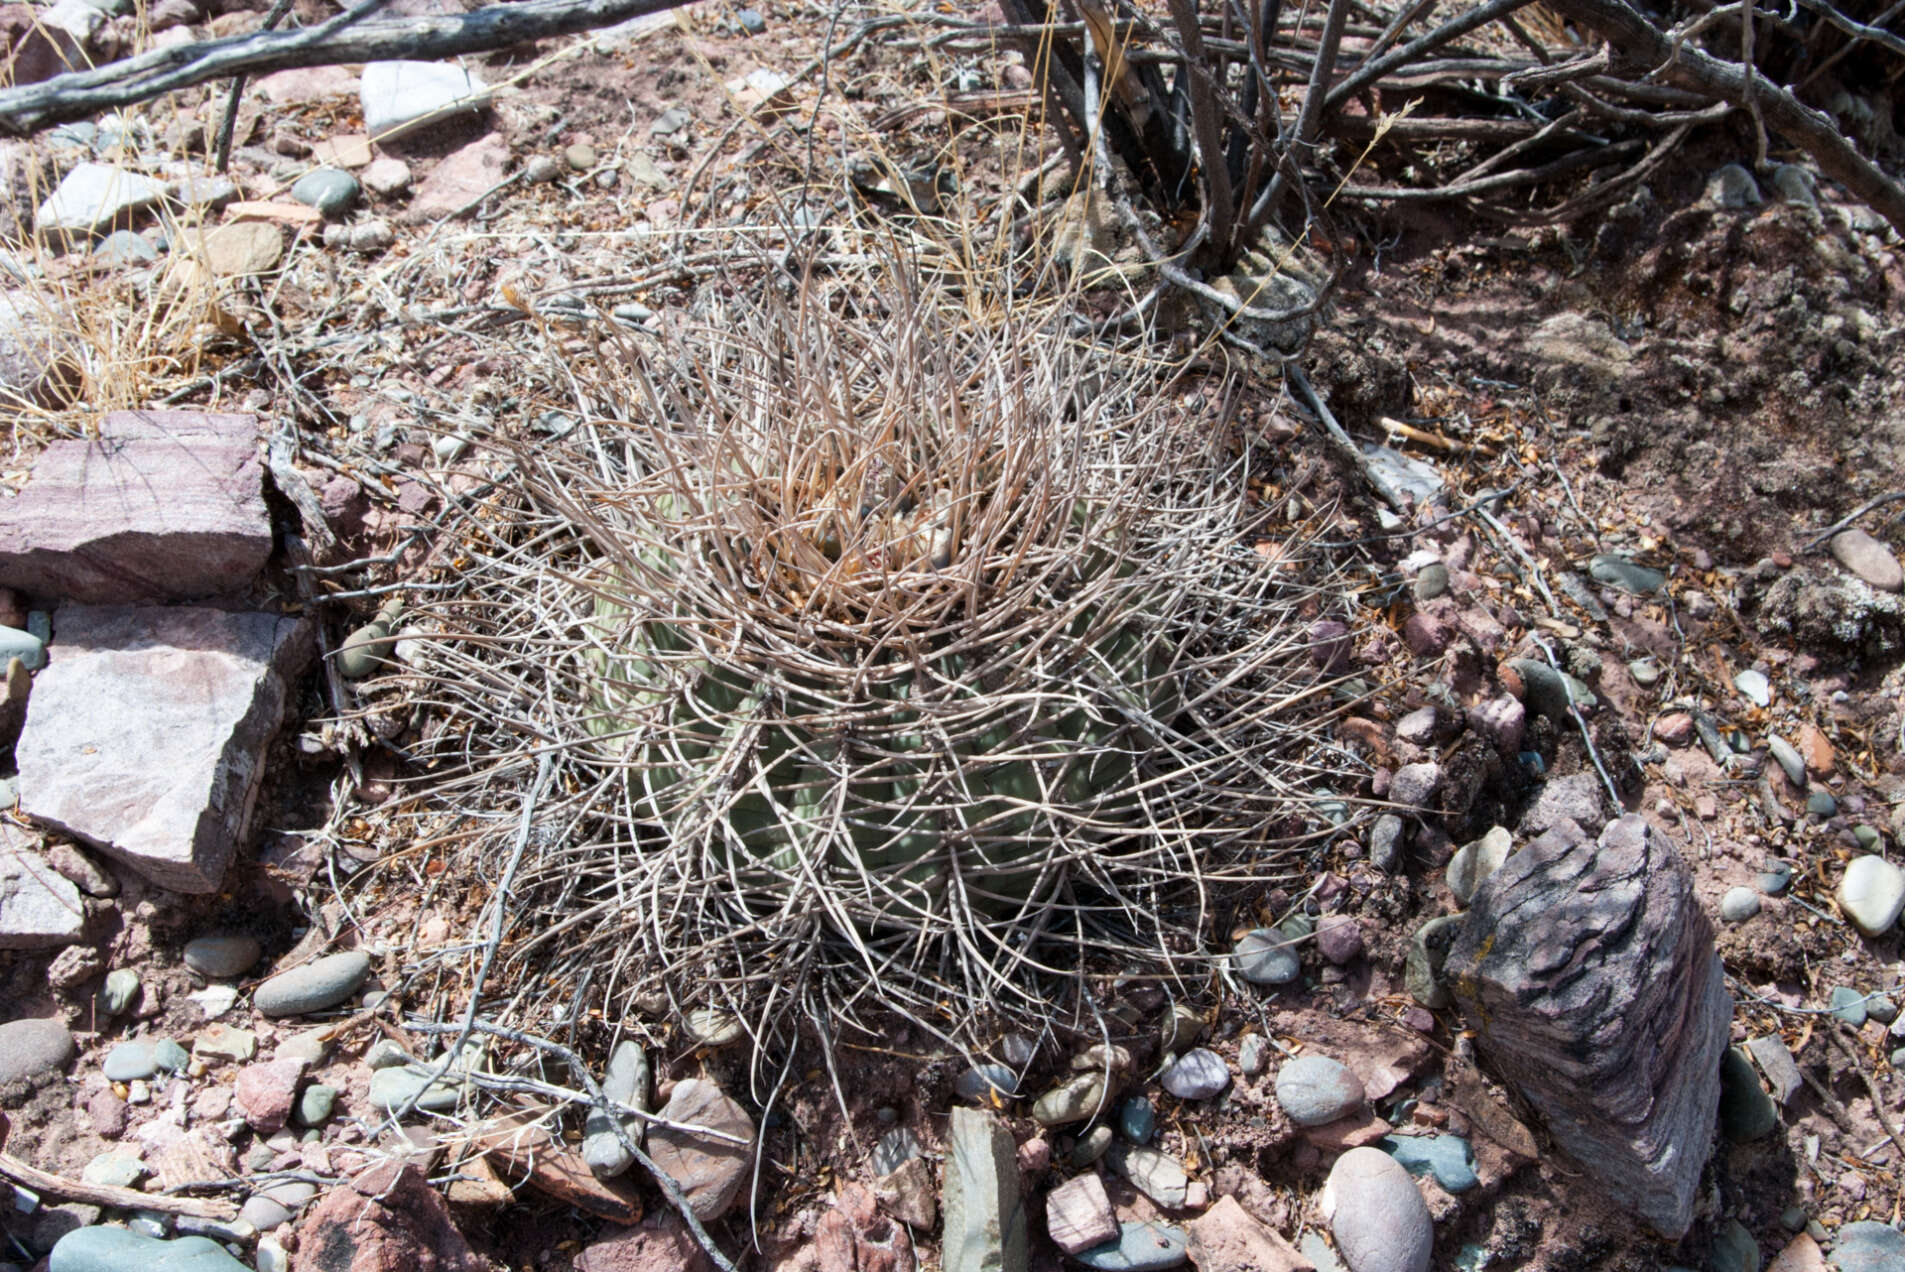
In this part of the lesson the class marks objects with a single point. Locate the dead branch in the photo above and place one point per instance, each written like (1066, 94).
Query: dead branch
(1639, 42)
(17, 1171)
(351, 36)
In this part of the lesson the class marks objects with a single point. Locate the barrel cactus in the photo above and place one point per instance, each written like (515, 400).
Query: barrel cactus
(878, 647)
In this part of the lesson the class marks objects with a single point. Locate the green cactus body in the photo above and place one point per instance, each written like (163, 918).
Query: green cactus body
(915, 812)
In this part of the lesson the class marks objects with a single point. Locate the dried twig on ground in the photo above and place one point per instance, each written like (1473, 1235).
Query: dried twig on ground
(351, 36)
(51, 1185)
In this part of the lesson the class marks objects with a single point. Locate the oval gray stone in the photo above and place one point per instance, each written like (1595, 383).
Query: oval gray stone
(1872, 892)
(222, 957)
(392, 1089)
(1789, 760)
(315, 1104)
(1198, 1075)
(1074, 1100)
(1376, 1214)
(1262, 958)
(120, 991)
(315, 986)
(104, 1249)
(1091, 1146)
(262, 1213)
(1474, 862)
(1314, 1090)
(1868, 1246)
(129, 1062)
(1739, 905)
(329, 190)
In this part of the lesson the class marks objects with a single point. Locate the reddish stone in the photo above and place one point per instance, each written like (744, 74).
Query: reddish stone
(1329, 645)
(1339, 938)
(163, 505)
(1078, 1214)
(1675, 728)
(1034, 1156)
(107, 1112)
(660, 1243)
(1425, 637)
(344, 504)
(1226, 1238)
(32, 50)
(1350, 1132)
(266, 1092)
(1502, 721)
(1816, 751)
(710, 1171)
(461, 179)
(146, 732)
(387, 1219)
(1483, 628)
(855, 1237)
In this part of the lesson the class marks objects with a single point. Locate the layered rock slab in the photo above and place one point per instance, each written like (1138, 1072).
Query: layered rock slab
(39, 907)
(161, 505)
(1588, 971)
(145, 735)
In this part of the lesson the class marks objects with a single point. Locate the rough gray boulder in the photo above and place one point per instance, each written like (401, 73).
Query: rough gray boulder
(146, 734)
(1588, 972)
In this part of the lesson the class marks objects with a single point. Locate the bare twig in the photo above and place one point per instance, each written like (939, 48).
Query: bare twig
(40, 1181)
(1818, 540)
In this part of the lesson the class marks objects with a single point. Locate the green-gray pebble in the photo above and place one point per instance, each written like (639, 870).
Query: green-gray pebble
(222, 957)
(1746, 1111)
(315, 986)
(120, 991)
(1734, 1249)
(129, 1062)
(1788, 757)
(328, 190)
(1848, 1005)
(1091, 1146)
(315, 1104)
(108, 1249)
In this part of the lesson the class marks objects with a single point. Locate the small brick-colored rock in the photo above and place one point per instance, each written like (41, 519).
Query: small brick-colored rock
(267, 1092)
(1078, 1214)
(710, 1171)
